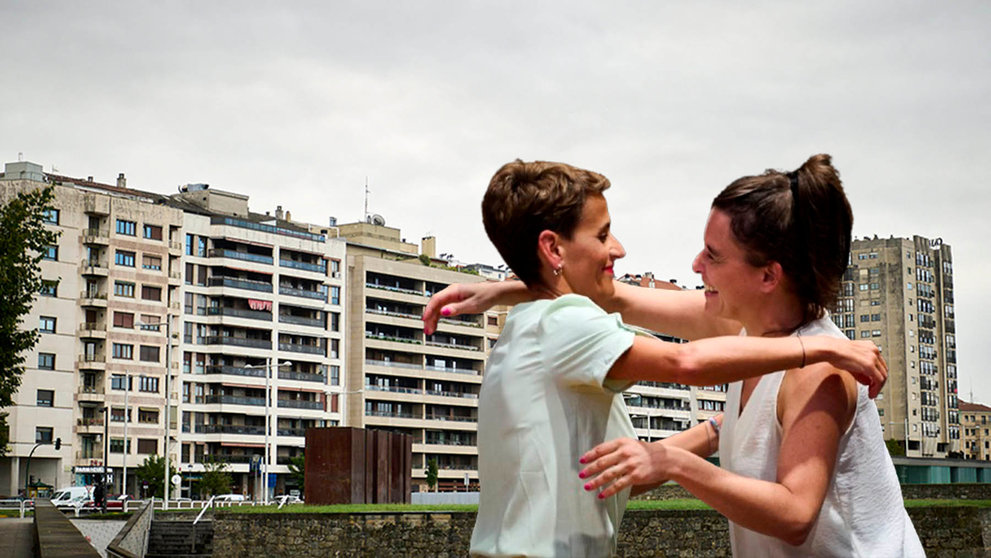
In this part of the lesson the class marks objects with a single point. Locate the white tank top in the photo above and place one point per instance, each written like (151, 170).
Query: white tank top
(863, 513)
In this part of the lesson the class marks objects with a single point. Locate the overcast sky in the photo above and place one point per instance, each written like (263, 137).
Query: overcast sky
(296, 104)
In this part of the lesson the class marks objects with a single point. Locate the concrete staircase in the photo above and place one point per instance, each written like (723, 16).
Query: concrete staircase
(180, 538)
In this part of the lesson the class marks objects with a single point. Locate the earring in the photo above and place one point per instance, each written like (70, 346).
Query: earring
(557, 270)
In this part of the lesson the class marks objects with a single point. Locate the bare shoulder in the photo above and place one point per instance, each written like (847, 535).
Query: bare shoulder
(818, 387)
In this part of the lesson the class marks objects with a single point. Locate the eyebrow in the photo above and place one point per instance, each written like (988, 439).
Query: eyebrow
(712, 250)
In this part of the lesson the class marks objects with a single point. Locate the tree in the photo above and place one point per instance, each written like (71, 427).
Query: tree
(23, 237)
(895, 448)
(432, 473)
(216, 479)
(297, 473)
(152, 473)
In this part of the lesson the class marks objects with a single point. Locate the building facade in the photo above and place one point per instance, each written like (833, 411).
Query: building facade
(975, 422)
(898, 292)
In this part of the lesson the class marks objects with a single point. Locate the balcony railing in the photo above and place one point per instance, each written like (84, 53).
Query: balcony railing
(302, 376)
(452, 346)
(393, 389)
(236, 371)
(393, 289)
(295, 432)
(244, 256)
(300, 320)
(409, 365)
(393, 313)
(304, 266)
(235, 341)
(234, 400)
(233, 222)
(230, 429)
(300, 404)
(301, 348)
(246, 284)
(94, 421)
(384, 337)
(461, 394)
(239, 313)
(304, 293)
(451, 418)
(391, 415)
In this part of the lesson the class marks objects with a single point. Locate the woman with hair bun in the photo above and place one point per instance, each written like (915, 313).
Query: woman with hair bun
(805, 471)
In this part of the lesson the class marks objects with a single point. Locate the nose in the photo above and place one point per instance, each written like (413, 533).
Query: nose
(617, 250)
(697, 263)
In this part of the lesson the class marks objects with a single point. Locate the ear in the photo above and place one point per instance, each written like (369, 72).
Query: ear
(549, 249)
(772, 275)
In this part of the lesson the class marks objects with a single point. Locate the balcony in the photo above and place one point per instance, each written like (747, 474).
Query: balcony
(233, 400)
(241, 429)
(246, 284)
(451, 418)
(234, 341)
(452, 346)
(316, 268)
(294, 432)
(243, 256)
(300, 404)
(175, 247)
(394, 389)
(302, 376)
(239, 313)
(94, 267)
(300, 320)
(92, 330)
(96, 236)
(303, 293)
(95, 299)
(301, 348)
(92, 362)
(236, 371)
(384, 337)
(95, 204)
(393, 314)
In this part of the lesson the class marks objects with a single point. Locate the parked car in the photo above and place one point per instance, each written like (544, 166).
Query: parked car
(73, 496)
(288, 499)
(229, 498)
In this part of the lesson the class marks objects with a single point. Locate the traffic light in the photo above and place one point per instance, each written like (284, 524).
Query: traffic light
(58, 444)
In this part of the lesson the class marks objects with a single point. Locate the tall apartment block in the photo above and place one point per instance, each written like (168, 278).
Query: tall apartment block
(262, 312)
(662, 409)
(400, 379)
(110, 285)
(898, 292)
(975, 421)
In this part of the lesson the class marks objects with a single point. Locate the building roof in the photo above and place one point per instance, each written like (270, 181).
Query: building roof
(973, 407)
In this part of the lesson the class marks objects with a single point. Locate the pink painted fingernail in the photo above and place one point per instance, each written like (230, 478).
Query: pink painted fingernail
(582, 461)
(582, 475)
(602, 496)
(445, 311)
(588, 486)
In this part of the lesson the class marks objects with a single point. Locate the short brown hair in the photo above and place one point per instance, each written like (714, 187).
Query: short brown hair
(525, 199)
(800, 219)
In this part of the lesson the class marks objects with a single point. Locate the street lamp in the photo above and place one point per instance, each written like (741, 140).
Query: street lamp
(268, 366)
(127, 418)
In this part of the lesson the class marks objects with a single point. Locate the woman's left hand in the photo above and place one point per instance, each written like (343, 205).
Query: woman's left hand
(623, 463)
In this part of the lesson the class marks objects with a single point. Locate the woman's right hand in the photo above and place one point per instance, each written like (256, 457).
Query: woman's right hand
(470, 298)
(863, 359)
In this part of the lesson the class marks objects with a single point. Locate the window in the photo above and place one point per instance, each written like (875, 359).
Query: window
(49, 253)
(153, 232)
(46, 397)
(50, 216)
(189, 245)
(335, 375)
(200, 246)
(148, 416)
(117, 445)
(151, 293)
(123, 351)
(48, 288)
(46, 324)
(493, 320)
(335, 295)
(117, 414)
(46, 361)
(335, 266)
(43, 434)
(123, 288)
(151, 323)
(151, 262)
(126, 227)
(190, 273)
(118, 382)
(148, 353)
(148, 446)
(875, 317)
(335, 321)
(124, 319)
(148, 384)
(335, 347)
(124, 258)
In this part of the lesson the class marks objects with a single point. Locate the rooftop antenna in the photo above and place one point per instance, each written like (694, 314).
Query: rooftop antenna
(20, 156)
(366, 198)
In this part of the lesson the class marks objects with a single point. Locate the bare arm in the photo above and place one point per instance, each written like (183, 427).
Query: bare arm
(701, 440)
(472, 298)
(815, 409)
(727, 359)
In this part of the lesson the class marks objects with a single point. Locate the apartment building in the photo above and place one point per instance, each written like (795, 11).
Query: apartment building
(659, 410)
(261, 347)
(400, 379)
(975, 421)
(898, 292)
(100, 365)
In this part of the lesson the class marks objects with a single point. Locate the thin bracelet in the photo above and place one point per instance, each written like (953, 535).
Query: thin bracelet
(802, 343)
(715, 425)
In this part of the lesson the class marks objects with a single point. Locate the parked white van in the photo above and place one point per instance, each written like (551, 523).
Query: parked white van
(74, 496)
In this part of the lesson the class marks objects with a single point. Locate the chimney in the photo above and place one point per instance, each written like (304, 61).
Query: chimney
(121, 181)
(288, 215)
(278, 212)
(428, 246)
(89, 179)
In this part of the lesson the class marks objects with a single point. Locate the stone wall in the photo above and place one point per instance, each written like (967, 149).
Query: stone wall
(945, 532)
(954, 491)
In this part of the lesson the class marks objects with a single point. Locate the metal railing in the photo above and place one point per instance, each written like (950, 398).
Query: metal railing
(304, 266)
(244, 256)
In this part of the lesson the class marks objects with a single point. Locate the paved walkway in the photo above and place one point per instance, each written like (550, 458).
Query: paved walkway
(19, 534)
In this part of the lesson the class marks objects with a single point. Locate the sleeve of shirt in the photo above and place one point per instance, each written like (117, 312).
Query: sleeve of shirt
(580, 343)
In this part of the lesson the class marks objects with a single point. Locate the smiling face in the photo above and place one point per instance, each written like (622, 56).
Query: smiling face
(589, 255)
(730, 282)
